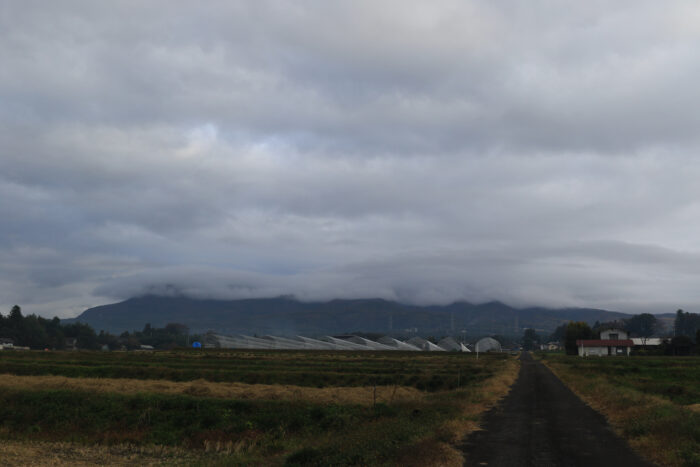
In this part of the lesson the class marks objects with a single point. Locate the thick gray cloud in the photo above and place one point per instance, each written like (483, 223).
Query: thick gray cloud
(537, 154)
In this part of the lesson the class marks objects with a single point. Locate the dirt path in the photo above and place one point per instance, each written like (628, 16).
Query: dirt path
(542, 423)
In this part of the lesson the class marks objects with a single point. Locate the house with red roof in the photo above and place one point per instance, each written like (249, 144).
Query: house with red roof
(612, 342)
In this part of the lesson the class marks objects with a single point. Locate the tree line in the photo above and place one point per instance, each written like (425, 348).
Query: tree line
(687, 324)
(36, 332)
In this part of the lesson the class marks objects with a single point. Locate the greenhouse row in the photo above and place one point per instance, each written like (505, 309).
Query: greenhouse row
(416, 344)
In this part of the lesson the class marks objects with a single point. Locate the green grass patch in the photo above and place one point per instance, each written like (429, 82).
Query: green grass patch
(253, 430)
(674, 378)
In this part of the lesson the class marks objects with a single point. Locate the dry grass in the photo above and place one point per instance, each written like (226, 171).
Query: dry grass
(632, 414)
(17, 453)
(431, 452)
(364, 395)
(441, 449)
(492, 390)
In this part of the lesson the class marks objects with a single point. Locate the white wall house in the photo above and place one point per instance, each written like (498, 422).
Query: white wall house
(550, 346)
(613, 334)
(612, 342)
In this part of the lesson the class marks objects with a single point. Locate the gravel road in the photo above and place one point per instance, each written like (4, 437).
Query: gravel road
(542, 423)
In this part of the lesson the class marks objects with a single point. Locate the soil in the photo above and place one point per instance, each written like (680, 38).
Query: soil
(542, 423)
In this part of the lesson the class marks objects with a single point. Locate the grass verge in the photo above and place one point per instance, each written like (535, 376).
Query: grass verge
(441, 446)
(663, 431)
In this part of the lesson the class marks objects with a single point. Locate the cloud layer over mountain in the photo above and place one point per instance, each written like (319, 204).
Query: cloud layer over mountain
(541, 153)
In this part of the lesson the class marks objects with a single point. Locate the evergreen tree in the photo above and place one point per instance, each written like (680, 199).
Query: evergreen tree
(575, 331)
(686, 324)
(643, 325)
(559, 334)
(530, 340)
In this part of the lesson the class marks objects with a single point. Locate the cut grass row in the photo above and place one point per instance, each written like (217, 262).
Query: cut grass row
(632, 393)
(425, 372)
(338, 361)
(360, 395)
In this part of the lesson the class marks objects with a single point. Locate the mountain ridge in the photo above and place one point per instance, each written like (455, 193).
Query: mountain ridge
(288, 316)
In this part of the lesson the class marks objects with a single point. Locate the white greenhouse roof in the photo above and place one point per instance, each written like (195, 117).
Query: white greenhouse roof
(488, 344)
(424, 344)
(351, 342)
(396, 344)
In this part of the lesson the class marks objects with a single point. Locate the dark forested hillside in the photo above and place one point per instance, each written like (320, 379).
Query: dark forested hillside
(286, 316)
(35, 332)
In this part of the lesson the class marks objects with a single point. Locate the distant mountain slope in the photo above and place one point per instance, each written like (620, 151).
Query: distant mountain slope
(285, 316)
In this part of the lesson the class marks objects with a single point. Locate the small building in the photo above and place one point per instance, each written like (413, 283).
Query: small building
(6, 343)
(612, 342)
(71, 343)
(550, 346)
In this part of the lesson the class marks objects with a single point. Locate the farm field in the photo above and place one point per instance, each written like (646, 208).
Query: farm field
(422, 371)
(653, 402)
(244, 407)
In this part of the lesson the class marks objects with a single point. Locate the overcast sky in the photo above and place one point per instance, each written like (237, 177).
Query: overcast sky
(537, 153)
